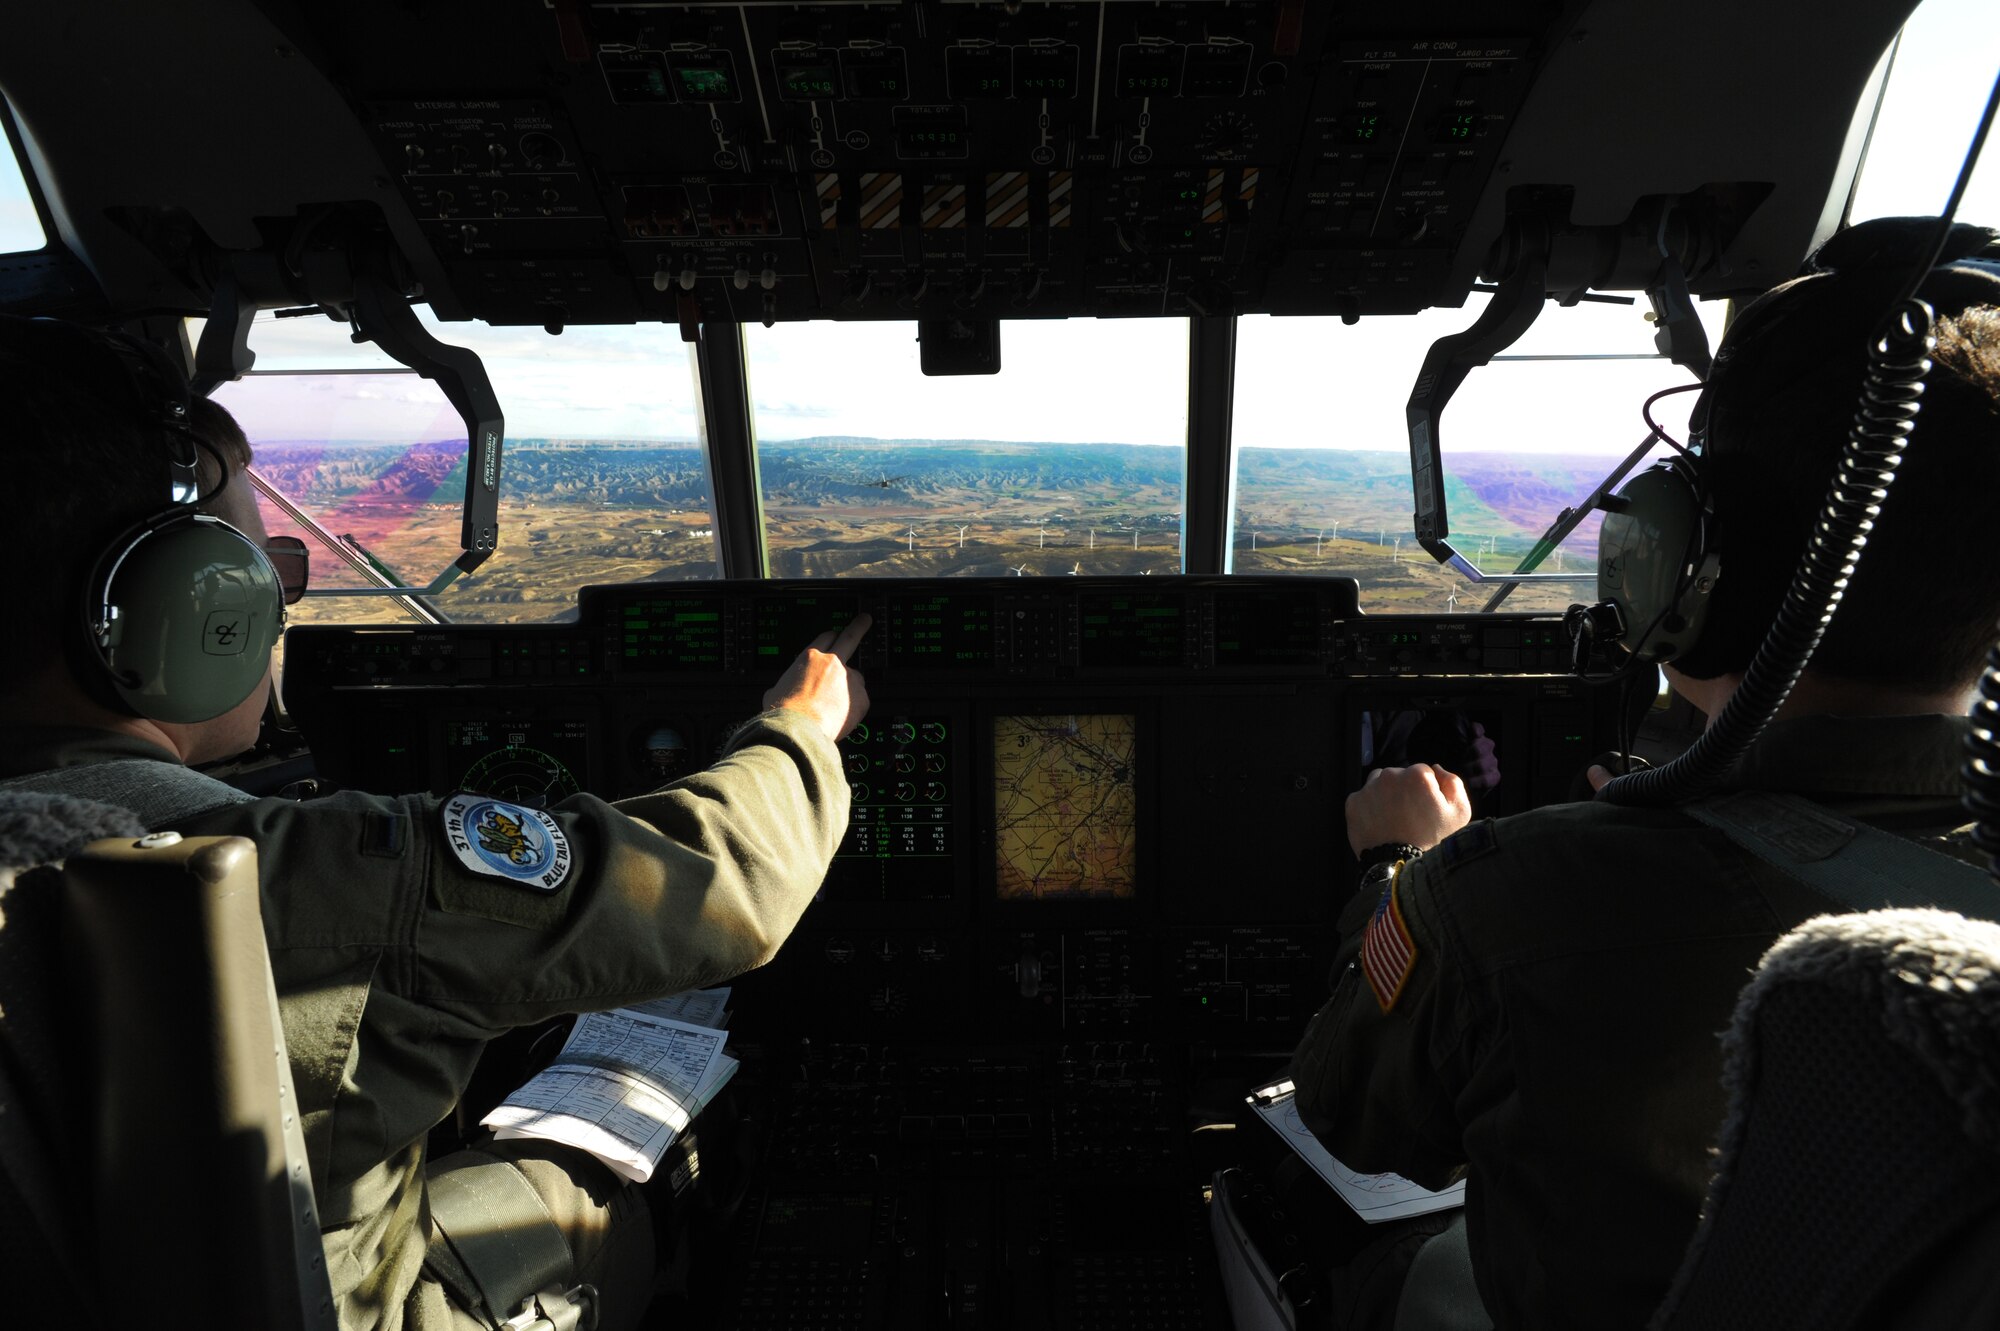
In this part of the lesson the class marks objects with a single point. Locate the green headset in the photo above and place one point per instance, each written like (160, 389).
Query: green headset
(181, 610)
(1654, 561)
(1657, 562)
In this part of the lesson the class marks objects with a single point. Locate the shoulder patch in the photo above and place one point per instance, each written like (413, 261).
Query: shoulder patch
(501, 840)
(1468, 843)
(1388, 953)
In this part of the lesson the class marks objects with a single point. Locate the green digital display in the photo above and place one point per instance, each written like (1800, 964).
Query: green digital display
(877, 76)
(708, 78)
(1217, 71)
(806, 84)
(1131, 630)
(1149, 71)
(670, 633)
(1267, 627)
(979, 73)
(809, 76)
(931, 137)
(948, 631)
(783, 625)
(1045, 71)
(636, 77)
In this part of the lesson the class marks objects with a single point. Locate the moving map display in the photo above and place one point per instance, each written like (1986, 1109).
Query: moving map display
(1065, 824)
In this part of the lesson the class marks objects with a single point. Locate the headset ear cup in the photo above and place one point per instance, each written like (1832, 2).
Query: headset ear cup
(195, 608)
(1653, 561)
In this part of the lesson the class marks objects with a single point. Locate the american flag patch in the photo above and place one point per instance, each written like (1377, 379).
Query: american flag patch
(1387, 952)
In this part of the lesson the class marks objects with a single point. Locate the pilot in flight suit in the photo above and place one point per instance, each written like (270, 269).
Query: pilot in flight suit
(405, 932)
(1534, 1004)
(396, 959)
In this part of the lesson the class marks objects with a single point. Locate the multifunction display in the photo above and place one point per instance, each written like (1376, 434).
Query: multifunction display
(670, 633)
(1267, 627)
(1133, 630)
(945, 631)
(1065, 807)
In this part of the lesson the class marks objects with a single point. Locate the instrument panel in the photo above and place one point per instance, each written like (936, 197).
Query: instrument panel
(1077, 805)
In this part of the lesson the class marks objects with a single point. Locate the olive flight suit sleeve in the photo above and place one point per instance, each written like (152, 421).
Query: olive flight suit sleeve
(677, 889)
(1371, 1067)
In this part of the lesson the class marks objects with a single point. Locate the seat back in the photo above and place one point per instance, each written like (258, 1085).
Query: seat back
(150, 1154)
(1858, 1178)
(201, 1180)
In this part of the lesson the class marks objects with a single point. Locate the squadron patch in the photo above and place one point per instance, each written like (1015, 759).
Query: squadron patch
(502, 840)
(1388, 953)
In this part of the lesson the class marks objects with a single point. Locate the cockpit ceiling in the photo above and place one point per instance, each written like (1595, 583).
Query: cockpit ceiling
(558, 161)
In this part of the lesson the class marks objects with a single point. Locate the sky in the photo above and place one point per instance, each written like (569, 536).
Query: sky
(1300, 382)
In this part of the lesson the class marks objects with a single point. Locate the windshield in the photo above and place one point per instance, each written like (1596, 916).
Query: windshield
(604, 476)
(1323, 458)
(1068, 461)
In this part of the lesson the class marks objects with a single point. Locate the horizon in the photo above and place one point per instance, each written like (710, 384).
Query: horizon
(865, 441)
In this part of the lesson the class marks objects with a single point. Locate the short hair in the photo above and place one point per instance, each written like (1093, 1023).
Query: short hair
(86, 463)
(1921, 609)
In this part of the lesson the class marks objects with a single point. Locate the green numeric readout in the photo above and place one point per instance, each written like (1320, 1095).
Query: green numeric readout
(670, 634)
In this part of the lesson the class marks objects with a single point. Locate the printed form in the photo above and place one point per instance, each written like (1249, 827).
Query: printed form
(1373, 1197)
(623, 1088)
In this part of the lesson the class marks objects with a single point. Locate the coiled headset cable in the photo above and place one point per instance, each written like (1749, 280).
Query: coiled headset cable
(1898, 360)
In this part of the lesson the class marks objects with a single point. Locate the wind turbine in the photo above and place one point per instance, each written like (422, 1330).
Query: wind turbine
(1318, 541)
(1041, 537)
(1559, 559)
(913, 540)
(1253, 541)
(1399, 549)
(1021, 571)
(1451, 600)
(1336, 529)
(961, 536)
(1093, 538)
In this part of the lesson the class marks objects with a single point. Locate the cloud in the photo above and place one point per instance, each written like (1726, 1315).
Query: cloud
(795, 410)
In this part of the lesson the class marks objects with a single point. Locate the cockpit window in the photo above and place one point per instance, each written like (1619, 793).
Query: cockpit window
(1323, 461)
(1944, 68)
(1069, 460)
(20, 228)
(604, 478)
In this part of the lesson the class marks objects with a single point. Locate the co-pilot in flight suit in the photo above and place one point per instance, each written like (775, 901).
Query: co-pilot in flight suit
(1547, 1022)
(406, 932)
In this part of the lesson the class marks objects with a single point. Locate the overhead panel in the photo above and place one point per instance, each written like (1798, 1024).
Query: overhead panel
(768, 162)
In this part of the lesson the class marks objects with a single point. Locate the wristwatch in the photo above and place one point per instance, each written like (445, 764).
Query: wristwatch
(1389, 852)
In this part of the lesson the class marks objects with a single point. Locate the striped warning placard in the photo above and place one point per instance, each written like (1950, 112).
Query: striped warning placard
(881, 199)
(1059, 198)
(1006, 198)
(1211, 196)
(944, 205)
(827, 185)
(1247, 191)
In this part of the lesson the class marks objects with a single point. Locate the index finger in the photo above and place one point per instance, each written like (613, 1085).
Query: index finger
(850, 636)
